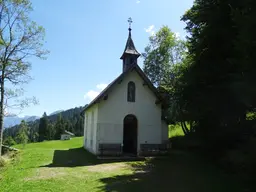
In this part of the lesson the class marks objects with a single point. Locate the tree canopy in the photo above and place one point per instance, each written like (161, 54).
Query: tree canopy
(216, 90)
(164, 61)
(164, 51)
(20, 39)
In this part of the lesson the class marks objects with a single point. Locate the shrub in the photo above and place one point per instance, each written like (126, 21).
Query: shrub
(9, 156)
(188, 142)
(3, 161)
(12, 154)
(9, 141)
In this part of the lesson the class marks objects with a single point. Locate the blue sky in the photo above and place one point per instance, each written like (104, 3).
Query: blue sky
(86, 40)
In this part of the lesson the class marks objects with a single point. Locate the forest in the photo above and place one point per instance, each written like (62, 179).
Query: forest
(46, 128)
(208, 81)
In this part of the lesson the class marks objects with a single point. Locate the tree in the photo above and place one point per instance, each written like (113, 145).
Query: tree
(23, 133)
(9, 141)
(59, 127)
(20, 39)
(164, 62)
(67, 125)
(244, 19)
(79, 126)
(33, 131)
(50, 132)
(215, 90)
(43, 127)
(165, 50)
(35, 137)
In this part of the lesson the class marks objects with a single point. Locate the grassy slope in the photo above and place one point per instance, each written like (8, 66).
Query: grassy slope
(65, 166)
(175, 130)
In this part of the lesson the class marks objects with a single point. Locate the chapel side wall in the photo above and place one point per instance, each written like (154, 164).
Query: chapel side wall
(85, 130)
(113, 111)
(95, 123)
(88, 129)
(91, 116)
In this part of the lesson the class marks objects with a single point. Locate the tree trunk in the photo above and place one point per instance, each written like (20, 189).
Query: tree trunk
(192, 128)
(1, 109)
(184, 127)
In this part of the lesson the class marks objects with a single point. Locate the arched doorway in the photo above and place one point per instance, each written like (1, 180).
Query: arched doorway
(130, 134)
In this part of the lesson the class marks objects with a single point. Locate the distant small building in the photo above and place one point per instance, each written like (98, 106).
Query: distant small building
(66, 135)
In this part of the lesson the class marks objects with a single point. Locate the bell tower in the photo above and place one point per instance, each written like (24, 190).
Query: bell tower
(130, 54)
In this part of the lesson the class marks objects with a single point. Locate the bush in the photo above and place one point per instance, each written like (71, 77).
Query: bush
(9, 156)
(188, 142)
(3, 161)
(12, 154)
(9, 141)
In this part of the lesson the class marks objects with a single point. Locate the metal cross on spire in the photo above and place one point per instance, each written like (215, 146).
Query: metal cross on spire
(130, 22)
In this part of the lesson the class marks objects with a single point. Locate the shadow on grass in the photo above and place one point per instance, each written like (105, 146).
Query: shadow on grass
(177, 173)
(75, 157)
(72, 158)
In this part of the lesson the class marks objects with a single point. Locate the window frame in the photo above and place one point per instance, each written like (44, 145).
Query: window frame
(131, 97)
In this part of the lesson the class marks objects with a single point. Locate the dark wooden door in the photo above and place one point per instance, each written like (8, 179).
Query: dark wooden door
(130, 134)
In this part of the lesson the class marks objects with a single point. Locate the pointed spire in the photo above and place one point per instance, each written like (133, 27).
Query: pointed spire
(129, 47)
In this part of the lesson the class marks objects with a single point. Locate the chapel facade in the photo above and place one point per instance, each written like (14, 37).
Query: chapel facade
(127, 113)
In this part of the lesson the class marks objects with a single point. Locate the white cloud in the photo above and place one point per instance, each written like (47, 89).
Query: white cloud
(91, 94)
(138, 1)
(150, 30)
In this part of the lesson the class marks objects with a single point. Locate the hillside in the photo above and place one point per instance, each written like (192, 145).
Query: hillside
(56, 112)
(65, 166)
(71, 120)
(15, 120)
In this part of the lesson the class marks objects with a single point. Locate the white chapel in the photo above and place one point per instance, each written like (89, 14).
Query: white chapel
(127, 114)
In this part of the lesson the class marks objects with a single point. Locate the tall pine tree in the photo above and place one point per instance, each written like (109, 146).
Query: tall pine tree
(23, 133)
(43, 127)
(211, 88)
(59, 127)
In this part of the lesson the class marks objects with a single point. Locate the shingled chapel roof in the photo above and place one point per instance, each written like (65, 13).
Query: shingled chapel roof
(130, 47)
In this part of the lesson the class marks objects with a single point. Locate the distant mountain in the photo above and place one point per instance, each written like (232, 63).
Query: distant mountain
(55, 112)
(31, 118)
(15, 120)
(71, 121)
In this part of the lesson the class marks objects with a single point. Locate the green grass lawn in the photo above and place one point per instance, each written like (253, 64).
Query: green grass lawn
(175, 130)
(66, 166)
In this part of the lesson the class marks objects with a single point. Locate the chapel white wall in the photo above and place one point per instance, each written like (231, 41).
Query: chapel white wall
(112, 112)
(90, 129)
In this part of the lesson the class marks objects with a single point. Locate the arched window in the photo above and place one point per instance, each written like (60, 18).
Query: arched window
(131, 92)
